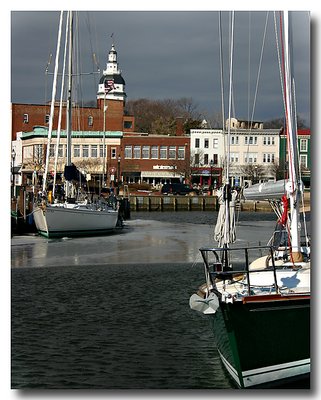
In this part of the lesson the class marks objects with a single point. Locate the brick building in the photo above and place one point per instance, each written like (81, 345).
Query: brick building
(104, 145)
(26, 116)
(155, 158)
(108, 114)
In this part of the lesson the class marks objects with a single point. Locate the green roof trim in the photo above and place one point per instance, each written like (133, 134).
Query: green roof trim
(42, 131)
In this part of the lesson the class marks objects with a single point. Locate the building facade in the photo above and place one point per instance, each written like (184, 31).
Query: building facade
(253, 153)
(304, 150)
(107, 115)
(207, 156)
(87, 153)
(155, 159)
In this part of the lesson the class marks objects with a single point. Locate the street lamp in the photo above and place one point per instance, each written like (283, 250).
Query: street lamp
(211, 186)
(118, 169)
(13, 156)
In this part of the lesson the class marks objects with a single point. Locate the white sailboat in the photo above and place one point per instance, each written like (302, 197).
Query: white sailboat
(70, 218)
(259, 306)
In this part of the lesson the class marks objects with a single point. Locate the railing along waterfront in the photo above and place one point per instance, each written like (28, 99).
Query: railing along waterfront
(189, 203)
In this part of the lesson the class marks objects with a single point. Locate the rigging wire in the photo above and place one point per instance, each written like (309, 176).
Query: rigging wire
(257, 81)
(52, 106)
(230, 95)
(299, 166)
(60, 105)
(222, 83)
(249, 71)
(260, 66)
(221, 69)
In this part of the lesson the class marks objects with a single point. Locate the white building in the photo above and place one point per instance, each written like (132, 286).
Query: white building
(254, 155)
(254, 152)
(207, 155)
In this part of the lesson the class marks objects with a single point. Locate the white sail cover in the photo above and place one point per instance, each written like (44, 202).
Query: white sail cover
(265, 191)
(220, 235)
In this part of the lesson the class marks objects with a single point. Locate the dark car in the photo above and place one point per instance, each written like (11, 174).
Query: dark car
(177, 188)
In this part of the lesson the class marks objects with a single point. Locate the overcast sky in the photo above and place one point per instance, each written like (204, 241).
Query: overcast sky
(167, 54)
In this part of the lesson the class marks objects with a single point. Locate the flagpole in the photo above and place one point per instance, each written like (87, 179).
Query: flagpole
(104, 145)
(108, 86)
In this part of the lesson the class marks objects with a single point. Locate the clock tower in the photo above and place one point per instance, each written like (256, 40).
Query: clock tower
(111, 85)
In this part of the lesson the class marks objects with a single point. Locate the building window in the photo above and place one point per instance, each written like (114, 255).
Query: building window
(85, 150)
(145, 152)
(234, 157)
(27, 152)
(25, 118)
(137, 151)
(215, 159)
(94, 151)
(181, 153)
(205, 159)
(196, 159)
(250, 140)
(101, 151)
(163, 152)
(76, 150)
(250, 158)
(172, 152)
(90, 121)
(128, 152)
(268, 158)
(52, 150)
(128, 124)
(154, 152)
(303, 145)
(38, 153)
(304, 160)
(215, 143)
(61, 150)
(197, 143)
(206, 143)
(47, 117)
(268, 140)
(113, 153)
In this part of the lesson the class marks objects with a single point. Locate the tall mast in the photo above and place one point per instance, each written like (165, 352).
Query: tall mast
(227, 189)
(294, 186)
(52, 105)
(69, 99)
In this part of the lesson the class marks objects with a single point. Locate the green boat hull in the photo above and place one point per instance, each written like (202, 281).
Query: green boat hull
(264, 341)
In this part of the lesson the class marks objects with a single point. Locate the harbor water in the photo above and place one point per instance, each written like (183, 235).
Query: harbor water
(112, 312)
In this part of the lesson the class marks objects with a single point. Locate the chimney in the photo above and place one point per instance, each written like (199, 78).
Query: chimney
(179, 126)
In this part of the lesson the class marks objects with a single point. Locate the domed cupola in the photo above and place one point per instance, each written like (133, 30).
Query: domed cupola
(111, 85)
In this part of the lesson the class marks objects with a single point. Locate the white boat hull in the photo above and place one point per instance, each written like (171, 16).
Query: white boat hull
(57, 221)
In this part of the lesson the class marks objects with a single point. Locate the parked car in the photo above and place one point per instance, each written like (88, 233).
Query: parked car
(177, 188)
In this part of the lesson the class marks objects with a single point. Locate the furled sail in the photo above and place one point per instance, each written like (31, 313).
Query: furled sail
(224, 232)
(266, 191)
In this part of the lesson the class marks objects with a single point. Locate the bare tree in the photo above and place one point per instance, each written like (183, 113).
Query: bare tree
(254, 172)
(159, 116)
(276, 170)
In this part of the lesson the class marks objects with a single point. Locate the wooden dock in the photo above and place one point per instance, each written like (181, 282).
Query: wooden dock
(197, 203)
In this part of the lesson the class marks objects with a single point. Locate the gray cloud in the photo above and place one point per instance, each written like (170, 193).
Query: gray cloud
(166, 54)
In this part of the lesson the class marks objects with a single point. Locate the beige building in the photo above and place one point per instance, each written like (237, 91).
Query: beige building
(87, 152)
(253, 150)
